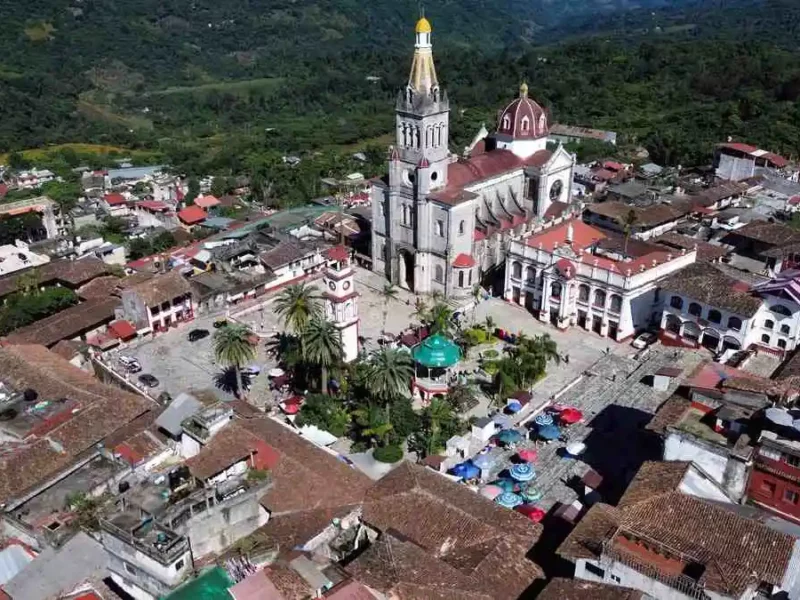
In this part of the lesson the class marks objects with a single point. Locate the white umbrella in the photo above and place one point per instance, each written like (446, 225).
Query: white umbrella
(779, 416)
(276, 372)
(576, 448)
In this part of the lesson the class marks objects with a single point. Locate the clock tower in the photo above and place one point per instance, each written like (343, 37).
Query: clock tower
(341, 299)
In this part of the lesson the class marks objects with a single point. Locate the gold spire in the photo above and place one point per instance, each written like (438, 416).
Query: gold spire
(523, 90)
(423, 26)
(423, 74)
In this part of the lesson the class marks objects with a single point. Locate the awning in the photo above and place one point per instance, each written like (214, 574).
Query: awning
(122, 329)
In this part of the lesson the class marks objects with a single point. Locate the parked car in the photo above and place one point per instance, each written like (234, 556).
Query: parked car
(131, 364)
(148, 380)
(643, 340)
(198, 334)
(220, 323)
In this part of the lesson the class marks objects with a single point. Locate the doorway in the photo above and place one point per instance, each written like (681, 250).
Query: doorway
(406, 270)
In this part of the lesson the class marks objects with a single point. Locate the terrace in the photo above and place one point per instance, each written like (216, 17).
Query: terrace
(146, 535)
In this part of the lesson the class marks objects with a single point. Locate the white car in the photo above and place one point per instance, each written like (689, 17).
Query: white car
(131, 364)
(643, 340)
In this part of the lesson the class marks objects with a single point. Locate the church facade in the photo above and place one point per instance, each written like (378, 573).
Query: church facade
(440, 221)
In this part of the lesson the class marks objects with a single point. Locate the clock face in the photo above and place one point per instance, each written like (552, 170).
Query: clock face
(346, 285)
(555, 190)
(332, 285)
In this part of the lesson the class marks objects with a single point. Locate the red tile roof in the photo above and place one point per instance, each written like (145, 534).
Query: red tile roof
(464, 261)
(122, 329)
(153, 205)
(192, 215)
(612, 165)
(338, 253)
(114, 199)
(739, 147)
(206, 201)
(230, 446)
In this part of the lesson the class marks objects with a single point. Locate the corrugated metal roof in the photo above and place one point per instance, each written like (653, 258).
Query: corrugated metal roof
(181, 408)
(13, 559)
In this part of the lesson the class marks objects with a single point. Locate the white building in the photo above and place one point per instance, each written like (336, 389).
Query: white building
(34, 178)
(705, 307)
(158, 303)
(341, 299)
(153, 213)
(17, 257)
(570, 273)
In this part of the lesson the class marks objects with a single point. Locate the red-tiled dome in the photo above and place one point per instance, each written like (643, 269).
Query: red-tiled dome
(464, 261)
(565, 268)
(523, 119)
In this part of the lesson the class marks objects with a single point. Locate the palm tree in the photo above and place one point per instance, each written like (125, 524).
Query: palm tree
(627, 226)
(388, 295)
(297, 304)
(286, 348)
(233, 346)
(438, 413)
(322, 346)
(420, 311)
(477, 294)
(374, 423)
(441, 317)
(391, 371)
(546, 347)
(489, 324)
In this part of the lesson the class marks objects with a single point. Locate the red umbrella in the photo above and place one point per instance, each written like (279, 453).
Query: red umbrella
(534, 513)
(570, 415)
(291, 409)
(528, 455)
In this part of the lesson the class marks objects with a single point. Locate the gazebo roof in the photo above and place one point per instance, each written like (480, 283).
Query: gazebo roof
(436, 351)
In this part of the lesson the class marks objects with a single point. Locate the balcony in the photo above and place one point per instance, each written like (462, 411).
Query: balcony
(147, 536)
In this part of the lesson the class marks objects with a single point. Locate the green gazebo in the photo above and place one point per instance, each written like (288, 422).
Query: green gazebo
(433, 359)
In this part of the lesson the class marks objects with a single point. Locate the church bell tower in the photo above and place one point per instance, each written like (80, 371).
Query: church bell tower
(341, 299)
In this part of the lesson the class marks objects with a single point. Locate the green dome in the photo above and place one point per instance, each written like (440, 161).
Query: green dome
(436, 351)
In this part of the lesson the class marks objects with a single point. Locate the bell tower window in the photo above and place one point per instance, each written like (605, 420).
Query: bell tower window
(526, 124)
(506, 122)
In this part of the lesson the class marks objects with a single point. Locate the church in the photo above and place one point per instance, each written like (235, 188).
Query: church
(442, 222)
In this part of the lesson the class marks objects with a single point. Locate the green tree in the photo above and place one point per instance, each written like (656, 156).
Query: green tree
(441, 319)
(374, 424)
(322, 347)
(192, 192)
(628, 223)
(388, 295)
(297, 304)
(391, 371)
(233, 347)
(324, 412)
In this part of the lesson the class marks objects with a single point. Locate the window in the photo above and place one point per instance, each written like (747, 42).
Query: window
(791, 496)
(470, 277)
(767, 487)
(516, 270)
(714, 316)
(735, 323)
(695, 309)
(382, 209)
(439, 274)
(583, 293)
(599, 298)
(130, 569)
(555, 290)
(616, 303)
(785, 329)
(769, 324)
(781, 343)
(530, 274)
(179, 565)
(765, 338)
(791, 459)
(781, 310)
(615, 578)
(526, 124)
(440, 228)
(461, 279)
(461, 228)
(594, 570)
(676, 302)
(506, 122)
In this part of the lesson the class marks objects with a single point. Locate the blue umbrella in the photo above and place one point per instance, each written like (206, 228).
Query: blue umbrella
(543, 419)
(549, 432)
(509, 436)
(465, 470)
(532, 494)
(514, 406)
(483, 461)
(508, 500)
(522, 472)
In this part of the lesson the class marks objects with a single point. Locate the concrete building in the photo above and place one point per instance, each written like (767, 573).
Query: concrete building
(440, 223)
(670, 544)
(28, 180)
(737, 161)
(158, 303)
(18, 256)
(52, 223)
(572, 274)
(155, 214)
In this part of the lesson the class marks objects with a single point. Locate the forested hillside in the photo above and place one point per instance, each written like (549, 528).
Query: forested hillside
(221, 86)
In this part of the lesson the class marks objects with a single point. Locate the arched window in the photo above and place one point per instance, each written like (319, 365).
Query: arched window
(462, 226)
(506, 122)
(673, 324)
(542, 124)
(583, 293)
(526, 124)
(781, 310)
(781, 344)
(600, 298)
(695, 309)
(516, 270)
(714, 316)
(555, 290)
(461, 279)
(676, 302)
(439, 274)
(785, 329)
(765, 338)
(616, 303)
(530, 274)
(769, 324)
(735, 323)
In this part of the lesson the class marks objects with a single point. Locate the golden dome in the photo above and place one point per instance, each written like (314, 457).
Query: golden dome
(423, 26)
(523, 90)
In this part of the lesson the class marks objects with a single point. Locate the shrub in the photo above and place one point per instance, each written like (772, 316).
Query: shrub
(475, 336)
(388, 454)
(491, 353)
(490, 367)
